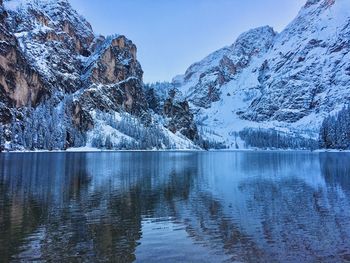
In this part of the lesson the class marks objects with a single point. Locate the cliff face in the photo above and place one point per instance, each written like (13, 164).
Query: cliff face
(53, 38)
(288, 81)
(307, 70)
(114, 77)
(62, 86)
(20, 85)
(167, 102)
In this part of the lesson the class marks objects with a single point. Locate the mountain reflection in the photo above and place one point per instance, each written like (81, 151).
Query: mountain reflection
(243, 206)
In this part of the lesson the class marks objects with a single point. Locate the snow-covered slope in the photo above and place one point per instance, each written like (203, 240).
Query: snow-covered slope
(202, 81)
(289, 81)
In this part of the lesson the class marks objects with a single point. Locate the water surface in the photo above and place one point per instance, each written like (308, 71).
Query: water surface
(175, 207)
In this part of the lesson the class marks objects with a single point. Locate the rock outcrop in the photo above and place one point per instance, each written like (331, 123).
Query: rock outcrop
(180, 117)
(114, 77)
(166, 101)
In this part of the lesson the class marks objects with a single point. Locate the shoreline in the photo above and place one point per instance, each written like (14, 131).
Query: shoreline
(95, 150)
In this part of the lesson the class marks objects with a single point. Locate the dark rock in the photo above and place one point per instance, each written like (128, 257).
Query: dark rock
(81, 118)
(5, 116)
(181, 118)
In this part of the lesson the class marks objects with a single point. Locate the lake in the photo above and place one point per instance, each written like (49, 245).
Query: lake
(175, 207)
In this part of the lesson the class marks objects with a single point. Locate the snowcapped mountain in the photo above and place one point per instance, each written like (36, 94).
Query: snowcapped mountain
(288, 81)
(63, 86)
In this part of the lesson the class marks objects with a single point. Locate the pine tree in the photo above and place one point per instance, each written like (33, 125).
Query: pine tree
(335, 131)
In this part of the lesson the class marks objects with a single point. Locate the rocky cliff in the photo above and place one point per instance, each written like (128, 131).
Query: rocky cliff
(63, 86)
(287, 81)
(167, 101)
(20, 85)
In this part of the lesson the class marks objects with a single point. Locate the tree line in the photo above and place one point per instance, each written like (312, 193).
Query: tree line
(335, 131)
(47, 127)
(273, 139)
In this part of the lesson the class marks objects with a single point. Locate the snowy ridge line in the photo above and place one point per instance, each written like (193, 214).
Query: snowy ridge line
(289, 82)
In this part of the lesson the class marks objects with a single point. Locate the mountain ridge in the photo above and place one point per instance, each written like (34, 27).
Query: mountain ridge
(298, 80)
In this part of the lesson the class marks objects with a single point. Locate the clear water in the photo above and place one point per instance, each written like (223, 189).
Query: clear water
(175, 207)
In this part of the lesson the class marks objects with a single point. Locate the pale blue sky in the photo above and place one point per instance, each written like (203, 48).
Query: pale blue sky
(173, 34)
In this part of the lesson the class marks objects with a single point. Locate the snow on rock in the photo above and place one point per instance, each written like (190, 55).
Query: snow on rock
(51, 35)
(70, 84)
(203, 80)
(72, 88)
(288, 81)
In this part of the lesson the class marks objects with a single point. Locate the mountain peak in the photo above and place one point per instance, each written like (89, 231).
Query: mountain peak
(256, 32)
(254, 41)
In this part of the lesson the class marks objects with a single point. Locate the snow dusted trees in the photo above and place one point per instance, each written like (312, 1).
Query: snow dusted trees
(262, 138)
(2, 141)
(140, 135)
(46, 127)
(335, 131)
(136, 135)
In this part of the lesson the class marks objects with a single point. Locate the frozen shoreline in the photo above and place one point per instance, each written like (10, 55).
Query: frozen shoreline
(95, 150)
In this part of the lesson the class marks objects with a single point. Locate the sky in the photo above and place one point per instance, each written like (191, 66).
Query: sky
(173, 34)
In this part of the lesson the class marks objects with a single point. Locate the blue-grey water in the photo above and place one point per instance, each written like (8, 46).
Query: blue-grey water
(175, 207)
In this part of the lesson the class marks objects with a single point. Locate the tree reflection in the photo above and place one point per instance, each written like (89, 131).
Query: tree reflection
(335, 168)
(297, 219)
(264, 207)
(55, 199)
